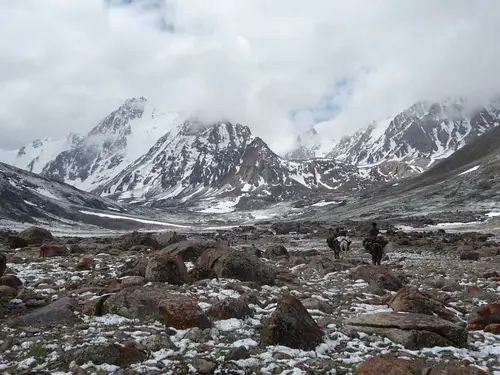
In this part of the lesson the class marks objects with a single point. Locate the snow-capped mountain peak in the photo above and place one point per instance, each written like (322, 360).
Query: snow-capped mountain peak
(223, 159)
(35, 155)
(118, 140)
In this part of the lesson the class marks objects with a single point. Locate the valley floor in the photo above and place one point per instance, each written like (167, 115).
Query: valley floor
(331, 299)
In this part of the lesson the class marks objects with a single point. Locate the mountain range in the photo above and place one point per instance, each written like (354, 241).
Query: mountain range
(412, 141)
(137, 155)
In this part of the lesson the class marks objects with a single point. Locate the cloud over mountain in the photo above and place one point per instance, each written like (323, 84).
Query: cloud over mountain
(277, 66)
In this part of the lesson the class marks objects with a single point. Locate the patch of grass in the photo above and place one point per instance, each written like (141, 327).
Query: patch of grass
(38, 350)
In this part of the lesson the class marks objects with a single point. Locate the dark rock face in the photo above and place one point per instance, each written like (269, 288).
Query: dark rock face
(413, 301)
(137, 302)
(198, 273)
(189, 251)
(233, 264)
(35, 235)
(378, 276)
(11, 281)
(3, 263)
(58, 312)
(114, 354)
(413, 331)
(164, 267)
(386, 364)
(165, 239)
(129, 240)
(292, 325)
(229, 308)
(15, 242)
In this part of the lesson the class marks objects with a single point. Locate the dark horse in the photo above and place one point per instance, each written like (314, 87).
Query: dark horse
(375, 249)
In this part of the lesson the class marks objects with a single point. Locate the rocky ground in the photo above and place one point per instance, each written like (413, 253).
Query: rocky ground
(248, 301)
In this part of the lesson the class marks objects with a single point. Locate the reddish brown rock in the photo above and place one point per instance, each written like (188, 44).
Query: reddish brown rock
(413, 331)
(379, 276)
(408, 300)
(291, 325)
(234, 264)
(182, 313)
(86, 262)
(164, 267)
(229, 308)
(493, 328)
(388, 365)
(484, 316)
(189, 251)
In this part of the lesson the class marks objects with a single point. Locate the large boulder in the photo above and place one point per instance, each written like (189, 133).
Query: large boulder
(58, 312)
(413, 331)
(11, 281)
(276, 251)
(229, 308)
(378, 276)
(36, 235)
(189, 251)
(407, 300)
(16, 242)
(485, 316)
(165, 239)
(234, 264)
(3, 263)
(138, 239)
(164, 267)
(182, 312)
(135, 267)
(386, 364)
(113, 354)
(137, 302)
(57, 251)
(198, 273)
(291, 325)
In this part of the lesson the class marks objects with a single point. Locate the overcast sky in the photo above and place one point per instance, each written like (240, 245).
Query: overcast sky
(278, 66)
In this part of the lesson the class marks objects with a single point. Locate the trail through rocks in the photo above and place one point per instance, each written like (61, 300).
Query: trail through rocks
(294, 310)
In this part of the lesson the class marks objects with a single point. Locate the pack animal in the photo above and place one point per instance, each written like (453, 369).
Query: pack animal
(334, 244)
(339, 245)
(375, 249)
(344, 244)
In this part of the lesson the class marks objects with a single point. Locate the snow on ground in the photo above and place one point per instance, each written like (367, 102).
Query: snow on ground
(323, 203)
(338, 351)
(470, 170)
(144, 221)
(221, 206)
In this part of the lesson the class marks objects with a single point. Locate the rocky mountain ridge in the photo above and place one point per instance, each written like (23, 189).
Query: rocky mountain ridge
(29, 198)
(225, 160)
(412, 141)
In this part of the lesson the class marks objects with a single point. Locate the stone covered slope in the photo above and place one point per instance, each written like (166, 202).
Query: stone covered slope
(27, 197)
(149, 305)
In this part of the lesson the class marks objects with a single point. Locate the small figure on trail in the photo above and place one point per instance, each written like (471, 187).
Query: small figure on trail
(374, 231)
(333, 243)
(375, 244)
(375, 249)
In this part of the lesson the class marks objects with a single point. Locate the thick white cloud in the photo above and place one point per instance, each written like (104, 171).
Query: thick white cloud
(65, 64)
